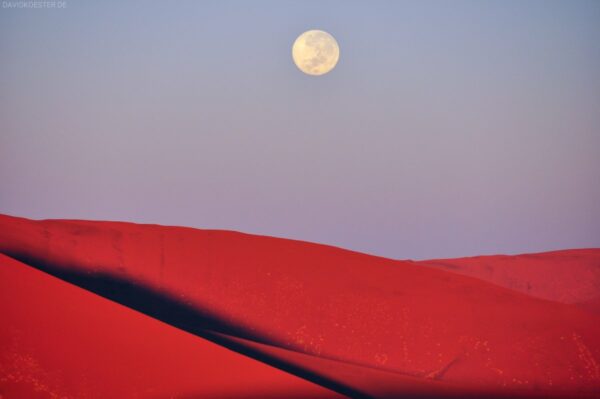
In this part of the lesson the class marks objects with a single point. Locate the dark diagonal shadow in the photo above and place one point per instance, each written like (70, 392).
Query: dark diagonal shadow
(200, 322)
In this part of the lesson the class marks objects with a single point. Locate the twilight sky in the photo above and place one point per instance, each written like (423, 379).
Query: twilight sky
(446, 129)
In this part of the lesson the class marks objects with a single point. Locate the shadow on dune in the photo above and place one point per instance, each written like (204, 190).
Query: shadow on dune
(185, 317)
(210, 327)
(394, 395)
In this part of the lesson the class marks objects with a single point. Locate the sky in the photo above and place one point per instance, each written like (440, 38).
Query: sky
(446, 129)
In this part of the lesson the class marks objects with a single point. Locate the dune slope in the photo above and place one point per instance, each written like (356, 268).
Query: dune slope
(361, 325)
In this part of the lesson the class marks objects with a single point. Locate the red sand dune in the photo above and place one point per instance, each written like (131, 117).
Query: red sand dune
(360, 325)
(571, 276)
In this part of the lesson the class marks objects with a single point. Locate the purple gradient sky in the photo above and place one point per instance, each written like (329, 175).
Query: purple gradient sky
(447, 129)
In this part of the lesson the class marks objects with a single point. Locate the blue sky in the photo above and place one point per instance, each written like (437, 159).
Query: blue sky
(446, 129)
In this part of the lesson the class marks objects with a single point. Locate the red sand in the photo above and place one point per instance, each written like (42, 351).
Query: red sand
(571, 276)
(358, 324)
(59, 341)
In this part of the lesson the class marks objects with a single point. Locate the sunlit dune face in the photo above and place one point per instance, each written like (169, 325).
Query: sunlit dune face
(315, 52)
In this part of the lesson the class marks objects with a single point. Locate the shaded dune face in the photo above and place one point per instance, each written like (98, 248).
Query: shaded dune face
(60, 341)
(360, 325)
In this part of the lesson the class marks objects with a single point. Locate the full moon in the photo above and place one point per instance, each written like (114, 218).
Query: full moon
(315, 52)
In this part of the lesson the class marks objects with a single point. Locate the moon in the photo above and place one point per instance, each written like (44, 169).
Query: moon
(315, 52)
